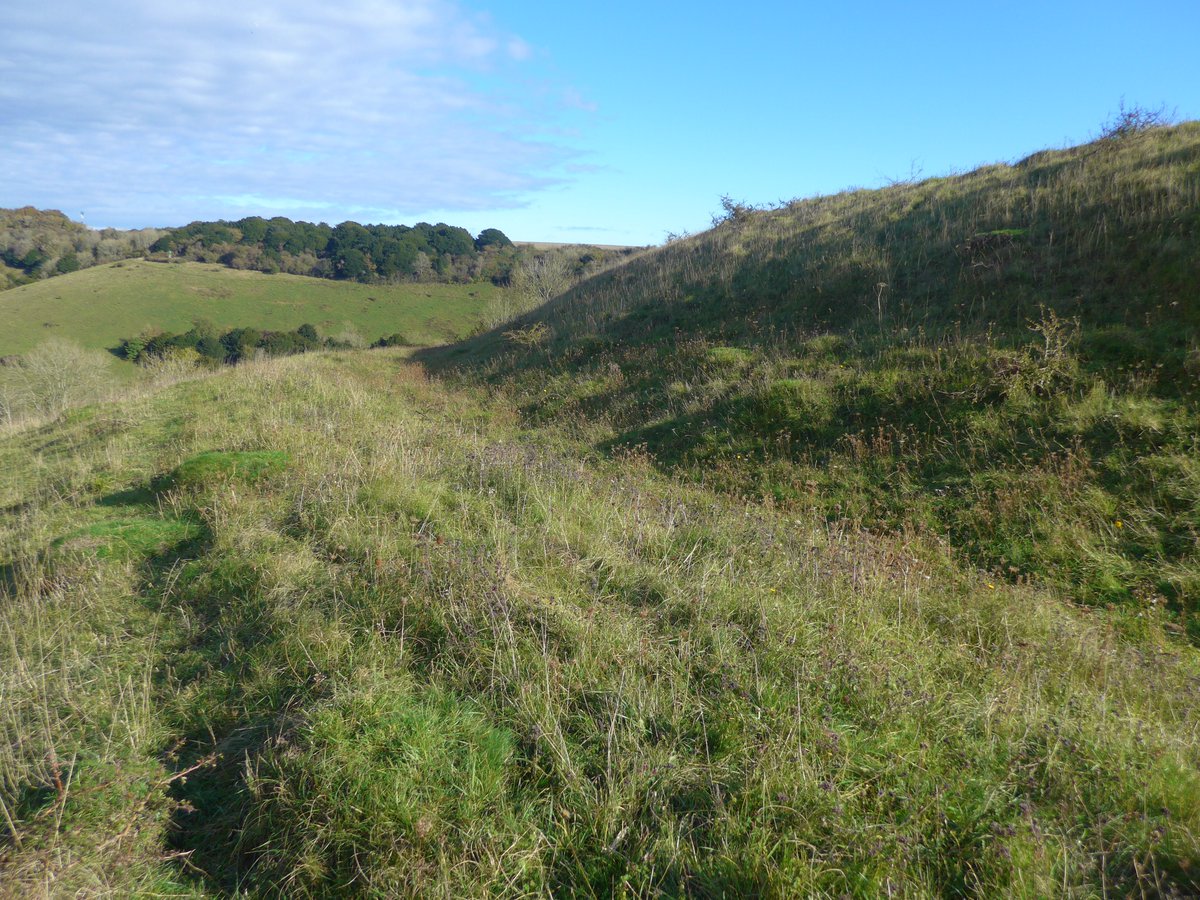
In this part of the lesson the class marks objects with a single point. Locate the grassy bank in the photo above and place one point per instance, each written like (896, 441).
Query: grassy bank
(1007, 358)
(320, 625)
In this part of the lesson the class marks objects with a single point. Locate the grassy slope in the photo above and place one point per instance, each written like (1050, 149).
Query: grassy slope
(99, 306)
(434, 652)
(1009, 358)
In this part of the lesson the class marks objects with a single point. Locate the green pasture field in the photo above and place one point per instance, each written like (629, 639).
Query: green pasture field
(98, 307)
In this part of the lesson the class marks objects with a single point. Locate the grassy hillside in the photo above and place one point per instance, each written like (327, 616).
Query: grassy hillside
(1008, 358)
(99, 306)
(320, 626)
(848, 549)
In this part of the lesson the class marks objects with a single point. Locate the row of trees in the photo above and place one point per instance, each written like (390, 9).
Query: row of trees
(205, 345)
(37, 243)
(235, 345)
(368, 253)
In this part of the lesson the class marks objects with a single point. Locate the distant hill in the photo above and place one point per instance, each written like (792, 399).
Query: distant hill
(556, 245)
(100, 306)
(1008, 357)
(36, 244)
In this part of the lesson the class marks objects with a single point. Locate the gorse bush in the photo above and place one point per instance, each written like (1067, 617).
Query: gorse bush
(52, 377)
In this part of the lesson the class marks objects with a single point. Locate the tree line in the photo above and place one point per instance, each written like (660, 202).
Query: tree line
(36, 244)
(206, 345)
(349, 251)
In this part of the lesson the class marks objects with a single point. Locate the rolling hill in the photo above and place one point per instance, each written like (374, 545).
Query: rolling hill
(97, 307)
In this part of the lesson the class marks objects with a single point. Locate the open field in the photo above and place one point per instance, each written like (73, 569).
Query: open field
(97, 307)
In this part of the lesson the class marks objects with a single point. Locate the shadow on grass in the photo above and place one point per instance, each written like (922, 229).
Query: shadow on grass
(212, 804)
(207, 812)
(230, 719)
(209, 801)
(135, 496)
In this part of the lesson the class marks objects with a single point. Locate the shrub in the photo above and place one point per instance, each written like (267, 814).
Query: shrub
(240, 343)
(1130, 122)
(732, 211)
(132, 348)
(67, 263)
(533, 336)
(283, 343)
(53, 376)
(211, 348)
(349, 337)
(542, 279)
(172, 364)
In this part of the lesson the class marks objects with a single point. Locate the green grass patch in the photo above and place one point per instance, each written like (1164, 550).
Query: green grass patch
(729, 358)
(376, 788)
(219, 466)
(129, 538)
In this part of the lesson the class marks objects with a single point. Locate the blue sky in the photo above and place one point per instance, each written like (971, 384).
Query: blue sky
(609, 123)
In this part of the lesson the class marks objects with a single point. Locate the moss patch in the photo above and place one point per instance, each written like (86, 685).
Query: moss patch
(129, 537)
(227, 465)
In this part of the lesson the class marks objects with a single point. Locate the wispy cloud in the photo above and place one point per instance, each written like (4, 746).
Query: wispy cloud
(150, 113)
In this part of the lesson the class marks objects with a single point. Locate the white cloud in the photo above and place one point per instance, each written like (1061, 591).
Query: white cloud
(152, 113)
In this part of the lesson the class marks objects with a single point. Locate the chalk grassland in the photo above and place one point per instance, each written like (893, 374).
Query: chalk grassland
(848, 549)
(1009, 358)
(97, 307)
(318, 626)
